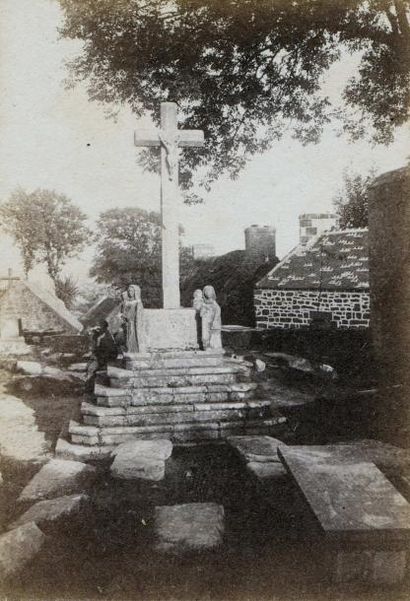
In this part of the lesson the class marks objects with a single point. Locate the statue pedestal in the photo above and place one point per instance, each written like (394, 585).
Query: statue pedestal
(170, 329)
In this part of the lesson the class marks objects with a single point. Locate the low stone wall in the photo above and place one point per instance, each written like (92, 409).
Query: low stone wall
(293, 308)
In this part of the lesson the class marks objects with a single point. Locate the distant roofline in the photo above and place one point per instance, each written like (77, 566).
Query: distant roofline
(318, 216)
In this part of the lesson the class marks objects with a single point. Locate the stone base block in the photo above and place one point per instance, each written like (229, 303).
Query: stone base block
(369, 566)
(171, 329)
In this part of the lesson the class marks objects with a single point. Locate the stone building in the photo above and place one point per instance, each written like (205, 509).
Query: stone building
(36, 309)
(323, 283)
(312, 224)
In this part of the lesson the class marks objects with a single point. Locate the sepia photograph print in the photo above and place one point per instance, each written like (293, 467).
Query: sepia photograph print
(204, 300)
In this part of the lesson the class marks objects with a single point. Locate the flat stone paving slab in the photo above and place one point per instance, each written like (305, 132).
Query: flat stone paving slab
(58, 477)
(141, 460)
(256, 448)
(49, 511)
(352, 501)
(189, 527)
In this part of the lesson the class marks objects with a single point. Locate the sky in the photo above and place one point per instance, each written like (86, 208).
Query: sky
(55, 138)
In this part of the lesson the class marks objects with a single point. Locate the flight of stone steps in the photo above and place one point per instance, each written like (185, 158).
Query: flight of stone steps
(186, 396)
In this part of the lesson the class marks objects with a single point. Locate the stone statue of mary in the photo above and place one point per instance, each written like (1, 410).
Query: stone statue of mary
(132, 313)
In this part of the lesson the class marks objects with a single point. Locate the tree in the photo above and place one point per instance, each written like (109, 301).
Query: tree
(47, 227)
(67, 290)
(243, 70)
(351, 201)
(129, 251)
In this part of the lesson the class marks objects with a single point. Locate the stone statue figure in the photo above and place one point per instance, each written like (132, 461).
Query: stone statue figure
(198, 300)
(197, 303)
(132, 314)
(210, 313)
(172, 154)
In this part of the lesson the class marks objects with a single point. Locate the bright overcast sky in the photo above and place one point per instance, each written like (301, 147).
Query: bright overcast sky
(56, 139)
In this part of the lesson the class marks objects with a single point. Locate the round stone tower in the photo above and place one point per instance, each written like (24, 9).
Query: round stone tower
(260, 242)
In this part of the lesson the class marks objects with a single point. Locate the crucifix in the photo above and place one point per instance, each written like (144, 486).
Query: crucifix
(169, 138)
(10, 278)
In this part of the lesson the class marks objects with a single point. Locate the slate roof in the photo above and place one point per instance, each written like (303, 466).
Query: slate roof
(334, 260)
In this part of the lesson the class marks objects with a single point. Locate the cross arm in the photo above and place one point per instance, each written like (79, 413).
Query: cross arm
(187, 138)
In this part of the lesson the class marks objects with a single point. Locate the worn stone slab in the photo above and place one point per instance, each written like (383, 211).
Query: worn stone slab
(268, 470)
(30, 368)
(159, 449)
(189, 527)
(58, 477)
(139, 468)
(256, 448)
(141, 459)
(371, 567)
(81, 452)
(18, 547)
(51, 510)
(352, 502)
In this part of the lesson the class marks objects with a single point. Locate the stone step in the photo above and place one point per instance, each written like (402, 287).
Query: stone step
(120, 373)
(91, 435)
(177, 377)
(167, 360)
(101, 411)
(190, 414)
(213, 393)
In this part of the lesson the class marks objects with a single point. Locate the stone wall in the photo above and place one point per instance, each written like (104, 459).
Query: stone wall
(293, 308)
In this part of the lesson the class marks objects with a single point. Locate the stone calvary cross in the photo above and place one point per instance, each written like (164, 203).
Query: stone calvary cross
(169, 138)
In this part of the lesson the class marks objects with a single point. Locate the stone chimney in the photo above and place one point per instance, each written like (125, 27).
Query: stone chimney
(312, 224)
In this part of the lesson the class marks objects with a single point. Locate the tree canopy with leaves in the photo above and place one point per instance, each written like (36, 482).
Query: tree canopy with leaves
(129, 251)
(244, 70)
(47, 228)
(352, 200)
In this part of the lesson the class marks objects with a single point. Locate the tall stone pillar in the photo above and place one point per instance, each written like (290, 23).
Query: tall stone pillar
(389, 263)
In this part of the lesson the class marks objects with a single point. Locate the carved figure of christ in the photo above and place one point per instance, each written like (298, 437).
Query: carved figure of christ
(170, 139)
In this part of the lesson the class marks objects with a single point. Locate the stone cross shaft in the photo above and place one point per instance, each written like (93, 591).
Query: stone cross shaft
(169, 138)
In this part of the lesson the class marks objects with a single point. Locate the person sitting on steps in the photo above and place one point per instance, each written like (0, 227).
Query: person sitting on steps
(104, 350)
